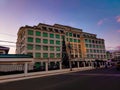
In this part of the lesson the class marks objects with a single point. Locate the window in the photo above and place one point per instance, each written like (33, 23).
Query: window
(71, 40)
(45, 48)
(38, 40)
(37, 55)
(37, 47)
(87, 45)
(75, 40)
(45, 55)
(51, 41)
(51, 48)
(51, 35)
(57, 36)
(70, 34)
(30, 39)
(45, 41)
(57, 48)
(30, 47)
(86, 40)
(78, 41)
(38, 33)
(45, 34)
(66, 33)
(58, 55)
(51, 55)
(58, 42)
(30, 32)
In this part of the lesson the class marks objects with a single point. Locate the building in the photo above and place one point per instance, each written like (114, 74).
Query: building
(4, 50)
(109, 55)
(53, 44)
(116, 55)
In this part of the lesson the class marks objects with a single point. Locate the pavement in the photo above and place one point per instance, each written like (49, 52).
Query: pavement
(17, 77)
(97, 79)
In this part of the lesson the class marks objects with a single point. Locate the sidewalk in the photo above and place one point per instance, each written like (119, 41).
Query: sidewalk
(9, 78)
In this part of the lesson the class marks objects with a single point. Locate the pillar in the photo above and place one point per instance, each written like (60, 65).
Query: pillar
(78, 64)
(25, 68)
(60, 64)
(46, 66)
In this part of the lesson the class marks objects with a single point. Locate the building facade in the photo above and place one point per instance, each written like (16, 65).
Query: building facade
(58, 43)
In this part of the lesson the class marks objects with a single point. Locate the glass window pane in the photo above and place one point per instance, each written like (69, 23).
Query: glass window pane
(45, 55)
(57, 48)
(51, 55)
(51, 48)
(58, 55)
(30, 47)
(45, 48)
(51, 41)
(57, 36)
(58, 42)
(37, 55)
(51, 35)
(38, 40)
(45, 34)
(37, 47)
(30, 32)
(38, 33)
(45, 41)
(30, 39)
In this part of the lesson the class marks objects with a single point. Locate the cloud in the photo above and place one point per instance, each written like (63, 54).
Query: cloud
(100, 22)
(118, 19)
(118, 31)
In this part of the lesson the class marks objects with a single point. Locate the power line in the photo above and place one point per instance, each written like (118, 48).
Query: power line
(7, 41)
(8, 34)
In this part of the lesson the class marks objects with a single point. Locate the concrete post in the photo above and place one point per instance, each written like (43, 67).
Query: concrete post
(60, 64)
(78, 64)
(46, 66)
(25, 68)
(83, 64)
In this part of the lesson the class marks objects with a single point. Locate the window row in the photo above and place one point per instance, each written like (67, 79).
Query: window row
(95, 56)
(45, 55)
(44, 34)
(45, 48)
(93, 41)
(73, 40)
(94, 46)
(72, 34)
(95, 51)
(45, 41)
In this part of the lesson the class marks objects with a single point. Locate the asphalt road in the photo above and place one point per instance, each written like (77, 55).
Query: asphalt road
(99, 79)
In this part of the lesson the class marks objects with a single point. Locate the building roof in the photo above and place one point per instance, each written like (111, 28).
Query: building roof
(15, 56)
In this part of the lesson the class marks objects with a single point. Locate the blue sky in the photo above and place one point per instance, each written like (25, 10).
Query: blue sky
(101, 17)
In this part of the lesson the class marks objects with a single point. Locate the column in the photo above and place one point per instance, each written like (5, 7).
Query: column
(60, 65)
(46, 66)
(83, 64)
(78, 64)
(25, 68)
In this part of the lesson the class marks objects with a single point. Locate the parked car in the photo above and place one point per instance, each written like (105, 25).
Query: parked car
(118, 66)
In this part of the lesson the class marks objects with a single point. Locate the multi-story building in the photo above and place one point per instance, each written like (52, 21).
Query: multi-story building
(116, 55)
(47, 42)
(4, 50)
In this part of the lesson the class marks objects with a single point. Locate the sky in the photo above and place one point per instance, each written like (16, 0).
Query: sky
(101, 17)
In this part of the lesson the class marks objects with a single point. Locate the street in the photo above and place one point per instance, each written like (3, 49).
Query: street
(98, 79)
